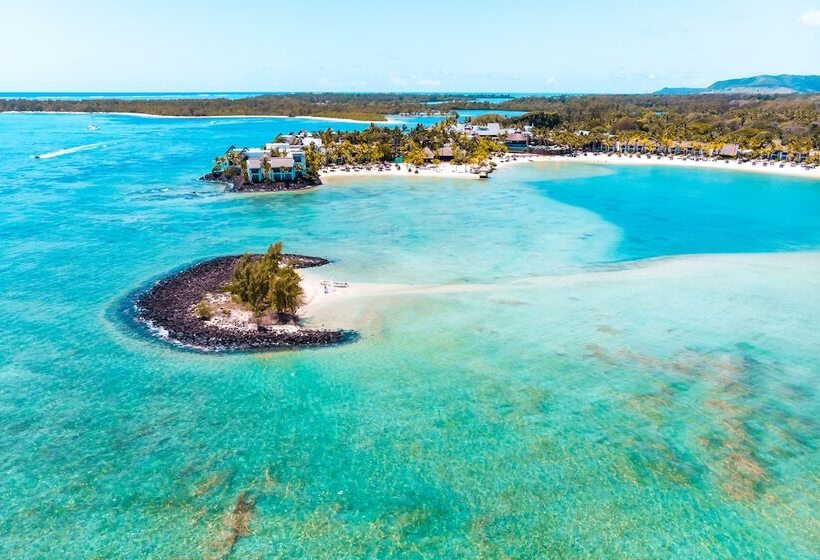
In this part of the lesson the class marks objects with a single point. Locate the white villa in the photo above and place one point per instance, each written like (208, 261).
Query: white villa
(493, 130)
(279, 161)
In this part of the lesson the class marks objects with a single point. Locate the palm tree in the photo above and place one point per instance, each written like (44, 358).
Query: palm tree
(217, 165)
(266, 167)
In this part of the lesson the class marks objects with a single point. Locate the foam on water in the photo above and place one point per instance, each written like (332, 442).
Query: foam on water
(66, 151)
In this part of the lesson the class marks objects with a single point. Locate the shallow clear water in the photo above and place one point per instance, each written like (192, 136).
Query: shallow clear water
(562, 408)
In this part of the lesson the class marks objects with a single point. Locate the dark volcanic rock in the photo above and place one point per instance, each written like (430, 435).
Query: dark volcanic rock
(167, 305)
(237, 184)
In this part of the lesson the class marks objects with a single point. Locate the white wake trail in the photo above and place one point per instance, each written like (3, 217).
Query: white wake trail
(67, 151)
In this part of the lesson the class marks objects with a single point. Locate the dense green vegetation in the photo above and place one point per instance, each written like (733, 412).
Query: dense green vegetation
(382, 144)
(761, 125)
(264, 282)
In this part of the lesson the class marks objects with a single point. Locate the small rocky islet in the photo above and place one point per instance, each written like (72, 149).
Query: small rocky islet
(237, 183)
(168, 307)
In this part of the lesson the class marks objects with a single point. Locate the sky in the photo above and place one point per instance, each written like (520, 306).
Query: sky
(400, 45)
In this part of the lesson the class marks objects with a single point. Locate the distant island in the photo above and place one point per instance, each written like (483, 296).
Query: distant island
(781, 84)
(367, 107)
(247, 302)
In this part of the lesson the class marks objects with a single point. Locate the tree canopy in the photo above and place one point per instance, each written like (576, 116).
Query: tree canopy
(263, 282)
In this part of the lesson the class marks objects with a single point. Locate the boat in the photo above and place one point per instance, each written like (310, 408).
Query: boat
(340, 284)
(91, 126)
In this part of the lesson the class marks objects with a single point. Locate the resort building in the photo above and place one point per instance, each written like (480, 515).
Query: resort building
(489, 130)
(445, 153)
(282, 169)
(516, 141)
(312, 141)
(283, 147)
(279, 161)
(729, 150)
(295, 140)
(255, 174)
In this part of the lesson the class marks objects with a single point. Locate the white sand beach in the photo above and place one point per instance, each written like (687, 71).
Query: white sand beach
(803, 263)
(449, 171)
(444, 171)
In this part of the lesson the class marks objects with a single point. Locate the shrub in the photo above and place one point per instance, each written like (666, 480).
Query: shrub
(254, 279)
(203, 310)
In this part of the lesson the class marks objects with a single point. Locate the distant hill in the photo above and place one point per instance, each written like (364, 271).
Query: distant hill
(679, 90)
(782, 84)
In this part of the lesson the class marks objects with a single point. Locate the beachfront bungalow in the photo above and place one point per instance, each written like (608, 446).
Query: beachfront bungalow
(729, 151)
(445, 153)
(686, 148)
(516, 141)
(779, 151)
(428, 154)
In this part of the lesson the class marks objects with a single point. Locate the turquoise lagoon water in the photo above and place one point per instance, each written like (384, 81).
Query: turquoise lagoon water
(566, 393)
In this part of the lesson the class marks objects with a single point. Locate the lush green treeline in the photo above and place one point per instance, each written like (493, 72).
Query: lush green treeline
(359, 106)
(760, 124)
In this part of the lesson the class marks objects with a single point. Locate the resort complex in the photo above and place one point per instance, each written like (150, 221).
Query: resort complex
(538, 301)
(474, 146)
(282, 160)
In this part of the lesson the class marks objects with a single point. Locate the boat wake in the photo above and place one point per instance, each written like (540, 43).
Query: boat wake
(67, 151)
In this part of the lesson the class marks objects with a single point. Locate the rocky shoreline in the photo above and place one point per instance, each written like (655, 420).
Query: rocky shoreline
(166, 308)
(237, 184)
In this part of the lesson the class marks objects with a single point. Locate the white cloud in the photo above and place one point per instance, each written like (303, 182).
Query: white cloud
(812, 17)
